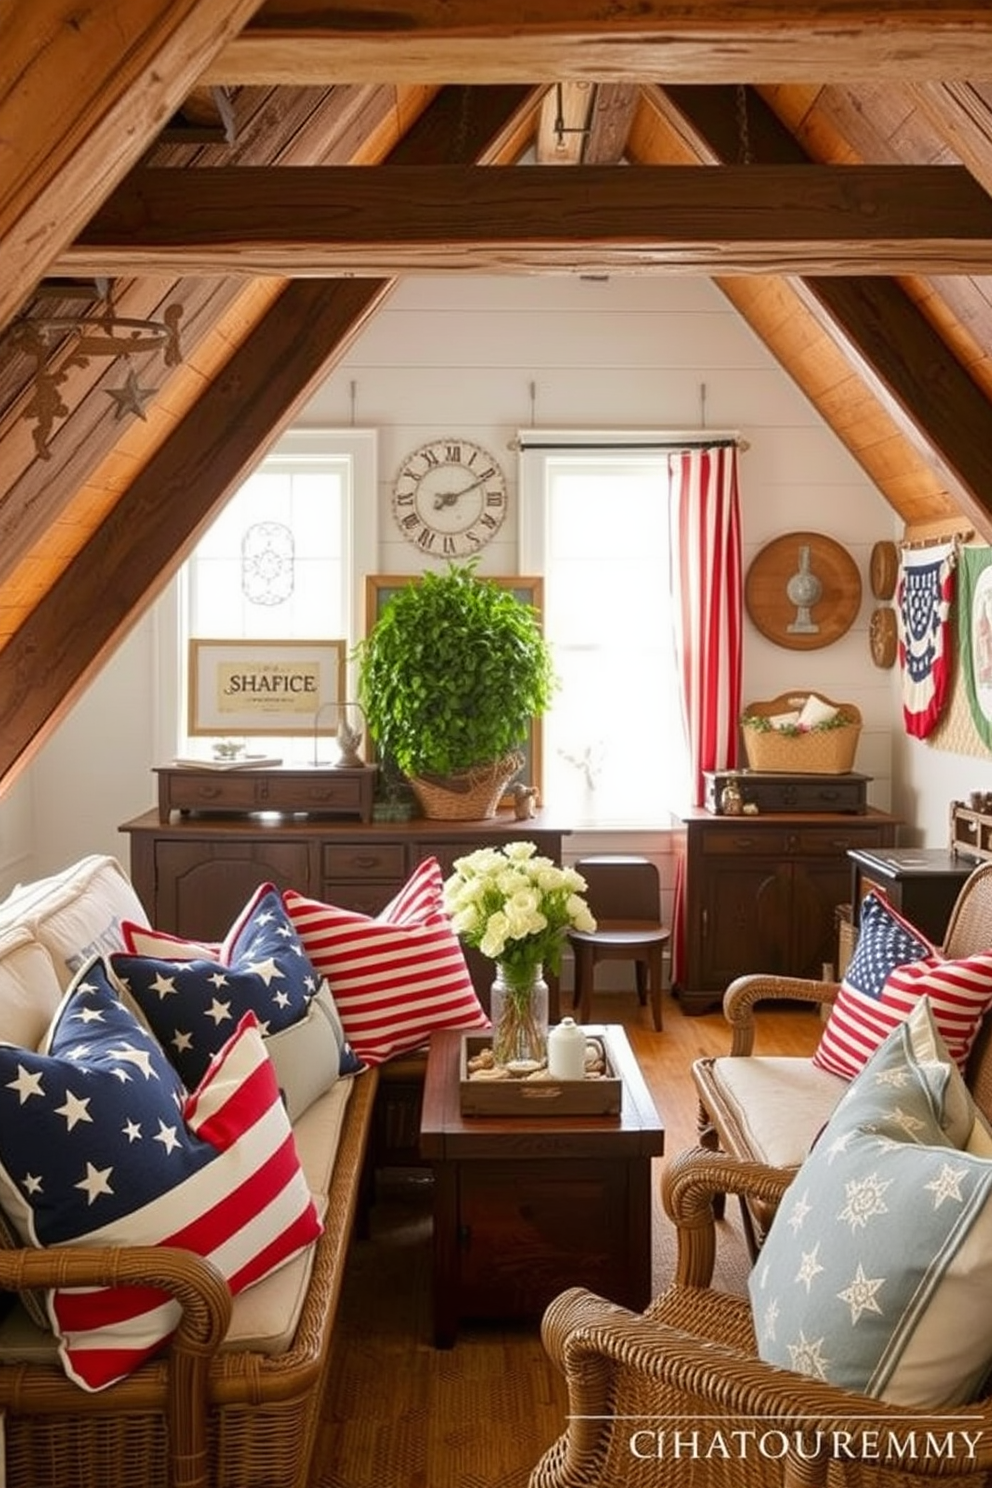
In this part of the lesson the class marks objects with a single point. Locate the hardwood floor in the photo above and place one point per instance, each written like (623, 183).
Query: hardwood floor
(399, 1413)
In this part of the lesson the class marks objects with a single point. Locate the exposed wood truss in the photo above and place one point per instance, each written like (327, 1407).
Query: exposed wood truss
(585, 123)
(853, 173)
(756, 218)
(625, 41)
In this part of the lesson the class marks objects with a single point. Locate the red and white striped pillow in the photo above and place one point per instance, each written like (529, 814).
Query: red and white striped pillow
(887, 978)
(395, 976)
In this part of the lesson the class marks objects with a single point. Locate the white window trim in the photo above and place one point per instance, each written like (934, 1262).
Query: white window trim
(361, 534)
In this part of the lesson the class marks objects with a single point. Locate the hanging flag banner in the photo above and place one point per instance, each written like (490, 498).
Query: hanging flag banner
(975, 637)
(923, 605)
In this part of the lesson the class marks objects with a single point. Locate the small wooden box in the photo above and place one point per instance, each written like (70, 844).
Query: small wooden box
(522, 1097)
(782, 791)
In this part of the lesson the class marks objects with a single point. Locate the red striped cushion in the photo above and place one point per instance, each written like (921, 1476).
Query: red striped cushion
(880, 991)
(396, 976)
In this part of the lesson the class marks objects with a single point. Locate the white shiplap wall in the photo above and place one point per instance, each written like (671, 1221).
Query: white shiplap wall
(461, 355)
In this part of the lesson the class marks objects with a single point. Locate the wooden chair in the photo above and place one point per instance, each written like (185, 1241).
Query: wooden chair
(624, 895)
(768, 1107)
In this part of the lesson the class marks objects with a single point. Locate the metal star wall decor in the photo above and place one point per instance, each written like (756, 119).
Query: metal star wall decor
(57, 343)
(131, 398)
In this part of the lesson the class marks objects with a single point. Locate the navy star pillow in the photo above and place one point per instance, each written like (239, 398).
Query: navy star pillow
(100, 1145)
(194, 1003)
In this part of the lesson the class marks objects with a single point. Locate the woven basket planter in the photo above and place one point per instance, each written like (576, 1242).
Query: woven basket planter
(472, 796)
(823, 751)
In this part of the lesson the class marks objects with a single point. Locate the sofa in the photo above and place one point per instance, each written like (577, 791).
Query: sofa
(232, 1400)
(768, 1108)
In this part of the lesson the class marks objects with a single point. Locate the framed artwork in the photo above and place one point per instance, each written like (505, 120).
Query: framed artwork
(262, 687)
(379, 589)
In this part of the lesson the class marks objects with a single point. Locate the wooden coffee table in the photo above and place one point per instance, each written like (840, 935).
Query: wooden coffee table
(527, 1206)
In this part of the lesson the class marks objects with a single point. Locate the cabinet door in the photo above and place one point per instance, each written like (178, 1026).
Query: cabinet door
(818, 888)
(745, 920)
(201, 886)
(528, 1230)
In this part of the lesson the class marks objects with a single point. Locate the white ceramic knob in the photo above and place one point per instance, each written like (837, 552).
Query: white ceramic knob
(567, 1051)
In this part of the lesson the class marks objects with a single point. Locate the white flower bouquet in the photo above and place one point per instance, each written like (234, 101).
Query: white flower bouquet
(516, 908)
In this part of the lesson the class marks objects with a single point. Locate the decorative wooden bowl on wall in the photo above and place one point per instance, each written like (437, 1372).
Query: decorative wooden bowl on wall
(803, 591)
(883, 569)
(883, 636)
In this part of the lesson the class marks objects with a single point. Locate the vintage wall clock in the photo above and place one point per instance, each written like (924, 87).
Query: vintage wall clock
(449, 497)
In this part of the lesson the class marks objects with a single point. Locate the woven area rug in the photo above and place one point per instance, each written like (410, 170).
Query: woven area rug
(399, 1413)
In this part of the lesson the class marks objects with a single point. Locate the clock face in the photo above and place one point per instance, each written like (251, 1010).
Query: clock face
(449, 498)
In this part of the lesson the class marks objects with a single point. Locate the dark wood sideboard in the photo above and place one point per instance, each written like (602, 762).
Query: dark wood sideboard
(760, 894)
(194, 872)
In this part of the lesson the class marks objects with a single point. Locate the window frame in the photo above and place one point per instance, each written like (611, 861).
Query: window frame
(535, 447)
(171, 651)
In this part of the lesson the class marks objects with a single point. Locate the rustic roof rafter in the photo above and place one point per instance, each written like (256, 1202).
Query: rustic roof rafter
(784, 219)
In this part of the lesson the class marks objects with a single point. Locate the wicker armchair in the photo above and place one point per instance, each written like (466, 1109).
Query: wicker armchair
(676, 1397)
(768, 1108)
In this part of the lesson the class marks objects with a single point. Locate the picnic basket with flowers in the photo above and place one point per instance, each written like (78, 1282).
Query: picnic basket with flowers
(802, 733)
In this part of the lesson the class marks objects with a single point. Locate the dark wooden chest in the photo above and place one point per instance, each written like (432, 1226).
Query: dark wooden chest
(771, 791)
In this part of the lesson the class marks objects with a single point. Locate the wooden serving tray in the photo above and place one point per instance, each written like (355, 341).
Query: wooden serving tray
(526, 1097)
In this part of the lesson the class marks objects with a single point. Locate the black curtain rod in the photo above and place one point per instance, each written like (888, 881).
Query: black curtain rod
(659, 444)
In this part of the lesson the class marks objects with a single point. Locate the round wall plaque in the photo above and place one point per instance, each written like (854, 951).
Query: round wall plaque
(883, 569)
(803, 591)
(883, 636)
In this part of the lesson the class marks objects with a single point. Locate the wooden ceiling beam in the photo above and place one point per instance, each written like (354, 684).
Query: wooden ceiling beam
(626, 41)
(46, 666)
(391, 220)
(898, 354)
(83, 91)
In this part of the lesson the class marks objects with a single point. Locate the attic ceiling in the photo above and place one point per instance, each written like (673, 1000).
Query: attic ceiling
(844, 213)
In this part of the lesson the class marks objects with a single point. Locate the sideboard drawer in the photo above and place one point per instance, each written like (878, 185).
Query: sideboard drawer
(740, 841)
(830, 841)
(364, 860)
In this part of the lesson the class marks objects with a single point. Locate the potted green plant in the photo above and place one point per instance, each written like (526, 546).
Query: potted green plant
(450, 677)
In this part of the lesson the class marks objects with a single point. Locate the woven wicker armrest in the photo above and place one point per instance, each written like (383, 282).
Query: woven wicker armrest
(193, 1281)
(205, 1299)
(741, 996)
(690, 1183)
(692, 1345)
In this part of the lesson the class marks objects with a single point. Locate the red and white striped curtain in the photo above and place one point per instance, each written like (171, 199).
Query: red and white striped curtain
(705, 545)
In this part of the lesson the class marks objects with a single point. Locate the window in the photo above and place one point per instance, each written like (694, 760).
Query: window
(284, 558)
(595, 523)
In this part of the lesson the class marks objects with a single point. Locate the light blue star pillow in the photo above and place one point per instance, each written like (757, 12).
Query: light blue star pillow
(877, 1271)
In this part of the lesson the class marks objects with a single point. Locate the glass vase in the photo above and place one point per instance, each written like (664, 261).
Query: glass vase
(518, 1008)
